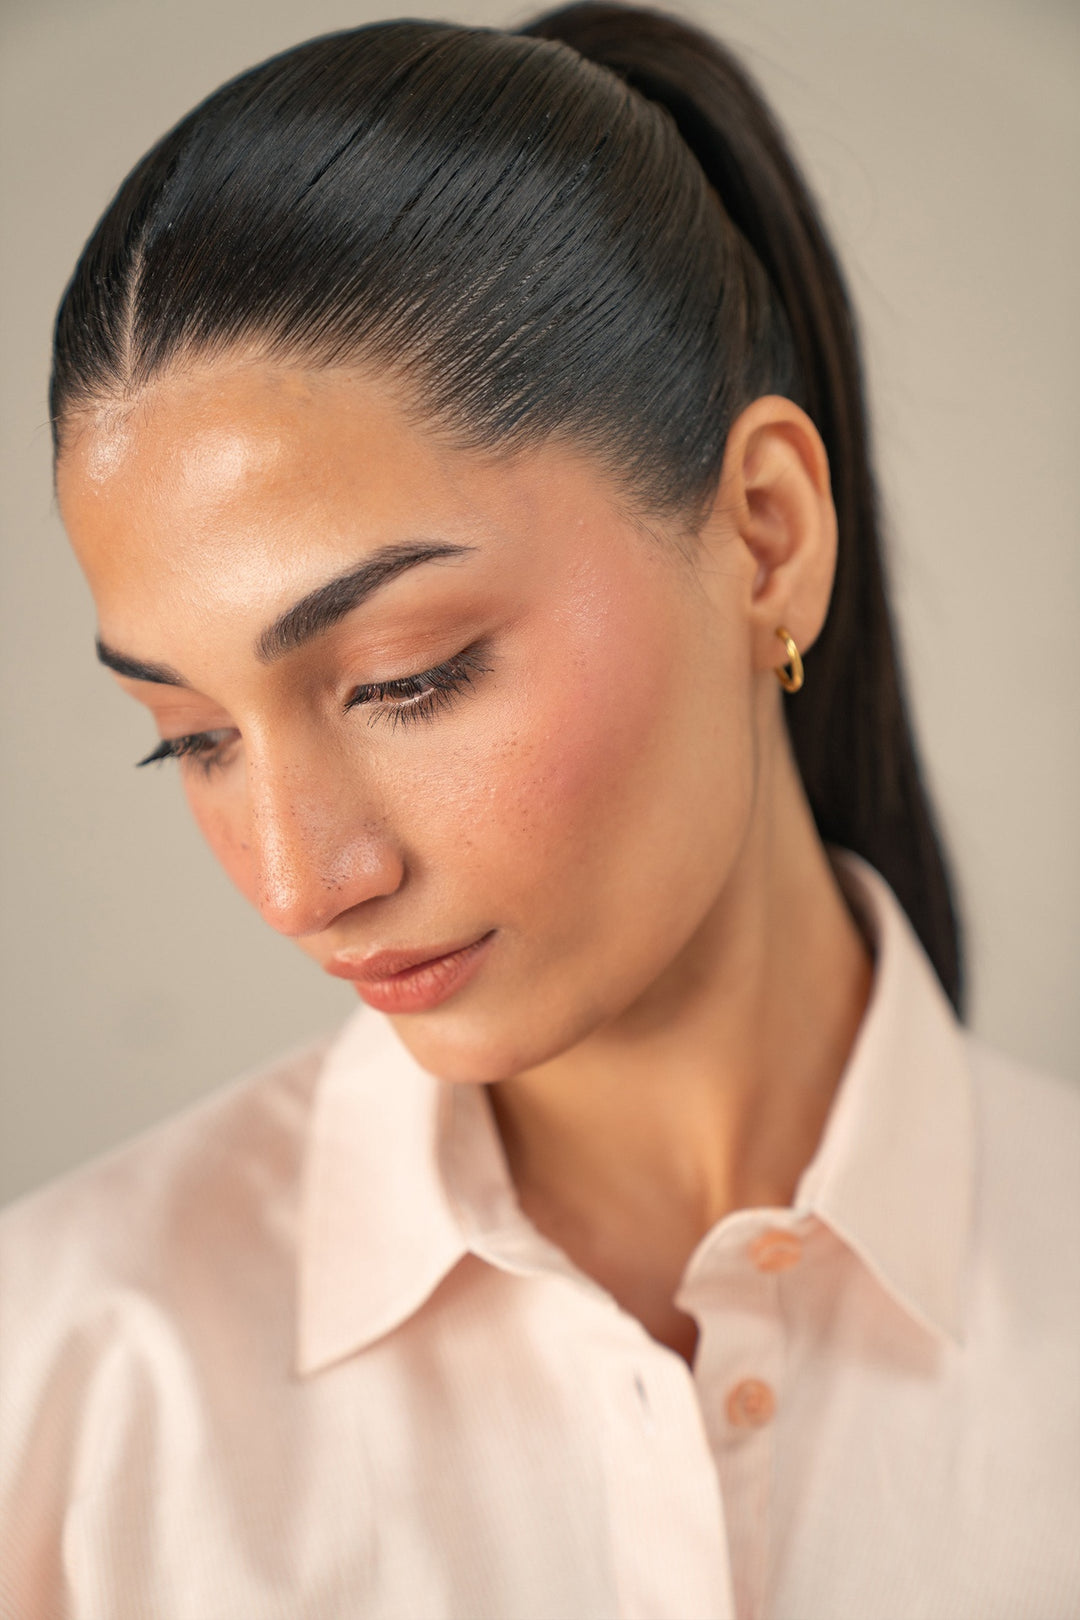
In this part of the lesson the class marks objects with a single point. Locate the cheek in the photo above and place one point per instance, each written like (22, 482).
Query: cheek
(597, 834)
(575, 776)
(607, 790)
(223, 825)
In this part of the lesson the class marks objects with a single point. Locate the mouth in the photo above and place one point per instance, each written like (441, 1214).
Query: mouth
(412, 980)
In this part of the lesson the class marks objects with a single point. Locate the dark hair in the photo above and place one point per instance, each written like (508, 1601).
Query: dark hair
(592, 228)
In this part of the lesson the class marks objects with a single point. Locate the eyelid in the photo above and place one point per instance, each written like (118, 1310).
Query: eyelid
(423, 694)
(442, 680)
(190, 745)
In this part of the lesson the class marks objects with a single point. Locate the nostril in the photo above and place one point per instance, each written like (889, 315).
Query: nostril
(293, 906)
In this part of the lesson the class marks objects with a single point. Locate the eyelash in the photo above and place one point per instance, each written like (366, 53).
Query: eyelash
(198, 745)
(424, 694)
(401, 702)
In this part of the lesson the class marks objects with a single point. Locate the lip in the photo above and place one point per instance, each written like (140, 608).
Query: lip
(412, 980)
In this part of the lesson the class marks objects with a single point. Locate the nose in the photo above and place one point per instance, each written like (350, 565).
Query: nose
(317, 848)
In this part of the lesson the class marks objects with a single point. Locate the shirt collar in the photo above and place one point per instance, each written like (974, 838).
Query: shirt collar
(893, 1174)
(378, 1229)
(405, 1174)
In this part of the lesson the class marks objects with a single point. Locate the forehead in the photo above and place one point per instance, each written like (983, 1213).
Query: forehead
(224, 494)
(228, 467)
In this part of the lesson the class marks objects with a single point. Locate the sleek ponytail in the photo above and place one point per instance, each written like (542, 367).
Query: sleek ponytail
(590, 227)
(849, 725)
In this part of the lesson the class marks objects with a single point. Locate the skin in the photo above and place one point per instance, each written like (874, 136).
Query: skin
(675, 981)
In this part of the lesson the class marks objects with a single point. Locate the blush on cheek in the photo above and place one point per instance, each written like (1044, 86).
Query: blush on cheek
(588, 746)
(566, 775)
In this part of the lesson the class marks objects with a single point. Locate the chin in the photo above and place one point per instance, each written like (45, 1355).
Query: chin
(481, 1048)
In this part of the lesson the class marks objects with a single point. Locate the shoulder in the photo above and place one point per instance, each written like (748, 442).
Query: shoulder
(137, 1295)
(1026, 1187)
(1028, 1121)
(216, 1175)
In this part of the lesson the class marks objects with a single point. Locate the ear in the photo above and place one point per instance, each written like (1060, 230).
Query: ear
(775, 492)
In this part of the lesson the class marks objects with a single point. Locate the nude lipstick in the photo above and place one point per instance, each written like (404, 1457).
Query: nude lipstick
(412, 981)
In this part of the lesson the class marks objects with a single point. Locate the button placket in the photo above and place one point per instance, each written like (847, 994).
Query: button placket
(739, 1368)
(669, 1546)
(750, 1404)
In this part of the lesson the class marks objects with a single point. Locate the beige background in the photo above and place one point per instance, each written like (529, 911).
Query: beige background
(943, 138)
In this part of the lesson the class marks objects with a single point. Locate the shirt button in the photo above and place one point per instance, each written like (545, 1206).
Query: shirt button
(775, 1250)
(750, 1404)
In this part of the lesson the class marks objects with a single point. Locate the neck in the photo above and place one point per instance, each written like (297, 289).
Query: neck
(711, 1092)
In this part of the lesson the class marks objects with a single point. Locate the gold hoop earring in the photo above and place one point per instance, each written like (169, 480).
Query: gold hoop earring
(790, 679)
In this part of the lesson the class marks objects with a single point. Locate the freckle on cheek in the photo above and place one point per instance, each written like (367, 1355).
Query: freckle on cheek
(572, 770)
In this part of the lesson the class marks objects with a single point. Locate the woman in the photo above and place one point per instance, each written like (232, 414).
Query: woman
(462, 434)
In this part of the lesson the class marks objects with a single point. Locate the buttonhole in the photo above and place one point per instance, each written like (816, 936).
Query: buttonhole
(643, 1397)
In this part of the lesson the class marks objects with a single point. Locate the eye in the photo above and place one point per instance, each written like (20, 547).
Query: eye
(419, 697)
(401, 701)
(208, 747)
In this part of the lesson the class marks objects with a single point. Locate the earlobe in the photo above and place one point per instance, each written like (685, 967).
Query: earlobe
(776, 487)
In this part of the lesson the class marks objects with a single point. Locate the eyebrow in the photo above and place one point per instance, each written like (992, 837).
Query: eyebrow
(135, 669)
(313, 615)
(320, 609)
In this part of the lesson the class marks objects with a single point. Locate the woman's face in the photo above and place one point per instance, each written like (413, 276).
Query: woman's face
(574, 784)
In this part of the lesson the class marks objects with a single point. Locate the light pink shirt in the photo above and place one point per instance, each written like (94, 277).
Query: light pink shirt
(297, 1354)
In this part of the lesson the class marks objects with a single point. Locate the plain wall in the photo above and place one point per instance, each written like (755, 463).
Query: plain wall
(943, 140)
